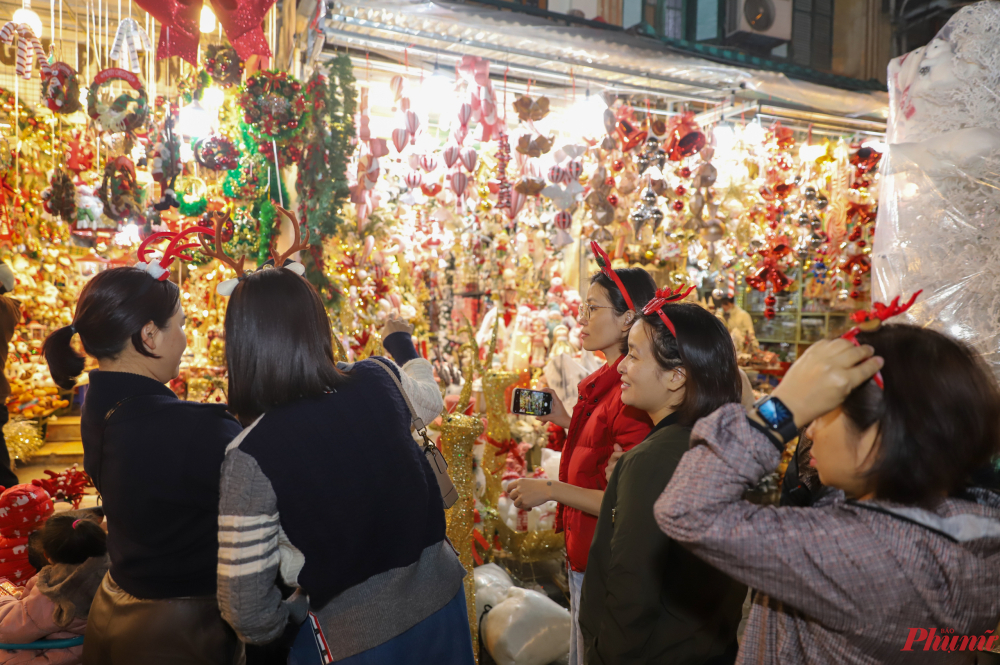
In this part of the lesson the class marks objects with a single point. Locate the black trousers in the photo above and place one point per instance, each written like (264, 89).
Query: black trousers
(7, 477)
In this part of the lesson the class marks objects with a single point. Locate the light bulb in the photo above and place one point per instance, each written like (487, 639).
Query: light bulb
(25, 15)
(207, 23)
(212, 97)
(195, 121)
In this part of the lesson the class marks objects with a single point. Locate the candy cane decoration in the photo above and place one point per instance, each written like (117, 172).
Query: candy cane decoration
(126, 36)
(26, 39)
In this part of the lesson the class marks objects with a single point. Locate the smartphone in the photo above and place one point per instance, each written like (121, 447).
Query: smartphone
(531, 402)
(7, 588)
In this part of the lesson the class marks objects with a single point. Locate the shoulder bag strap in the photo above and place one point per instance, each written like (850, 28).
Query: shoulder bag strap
(449, 495)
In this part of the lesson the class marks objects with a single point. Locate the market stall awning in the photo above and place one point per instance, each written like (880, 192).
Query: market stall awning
(535, 46)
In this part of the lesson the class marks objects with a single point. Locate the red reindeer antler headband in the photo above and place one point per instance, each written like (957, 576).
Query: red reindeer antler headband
(871, 320)
(604, 263)
(663, 297)
(160, 269)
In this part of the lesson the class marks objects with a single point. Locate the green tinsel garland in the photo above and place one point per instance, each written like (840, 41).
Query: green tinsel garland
(191, 208)
(322, 179)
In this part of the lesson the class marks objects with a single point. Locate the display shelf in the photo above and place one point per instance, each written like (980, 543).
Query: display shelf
(791, 325)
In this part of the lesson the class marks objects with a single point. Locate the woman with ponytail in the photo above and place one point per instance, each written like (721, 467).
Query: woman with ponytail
(149, 454)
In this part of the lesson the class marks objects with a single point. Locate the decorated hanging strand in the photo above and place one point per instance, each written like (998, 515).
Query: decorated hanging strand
(131, 38)
(26, 40)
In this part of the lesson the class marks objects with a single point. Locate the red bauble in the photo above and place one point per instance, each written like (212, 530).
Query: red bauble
(856, 281)
(770, 300)
(613, 199)
(685, 172)
(862, 243)
(618, 164)
(769, 313)
(855, 294)
(678, 205)
(610, 182)
(680, 190)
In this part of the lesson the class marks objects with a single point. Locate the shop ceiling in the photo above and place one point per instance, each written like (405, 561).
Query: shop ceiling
(585, 59)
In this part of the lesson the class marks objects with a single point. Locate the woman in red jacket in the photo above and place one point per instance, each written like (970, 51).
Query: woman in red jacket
(599, 421)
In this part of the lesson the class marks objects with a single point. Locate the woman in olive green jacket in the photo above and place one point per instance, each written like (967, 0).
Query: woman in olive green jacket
(645, 598)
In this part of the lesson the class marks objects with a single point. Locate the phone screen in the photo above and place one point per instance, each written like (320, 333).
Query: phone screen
(531, 402)
(6, 587)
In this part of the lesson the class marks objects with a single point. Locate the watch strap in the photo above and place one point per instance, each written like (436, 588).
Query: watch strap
(768, 432)
(785, 427)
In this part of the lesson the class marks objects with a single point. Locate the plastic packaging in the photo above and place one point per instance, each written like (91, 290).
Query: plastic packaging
(527, 628)
(939, 205)
(492, 585)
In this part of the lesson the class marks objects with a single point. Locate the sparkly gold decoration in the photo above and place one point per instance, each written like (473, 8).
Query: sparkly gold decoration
(217, 352)
(495, 384)
(458, 435)
(23, 438)
(531, 546)
(339, 354)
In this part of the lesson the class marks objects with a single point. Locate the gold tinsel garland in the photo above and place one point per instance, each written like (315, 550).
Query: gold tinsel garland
(23, 438)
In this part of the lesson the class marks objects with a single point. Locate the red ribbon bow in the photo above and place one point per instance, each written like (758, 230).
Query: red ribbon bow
(873, 318)
(663, 297)
(181, 19)
(604, 262)
(769, 270)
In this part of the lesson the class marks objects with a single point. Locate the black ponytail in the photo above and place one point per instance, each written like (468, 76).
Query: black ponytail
(65, 364)
(112, 309)
(66, 539)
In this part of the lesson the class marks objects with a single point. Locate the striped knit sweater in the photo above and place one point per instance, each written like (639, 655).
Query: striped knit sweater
(334, 494)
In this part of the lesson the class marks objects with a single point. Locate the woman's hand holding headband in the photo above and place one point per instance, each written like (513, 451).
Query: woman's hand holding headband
(824, 376)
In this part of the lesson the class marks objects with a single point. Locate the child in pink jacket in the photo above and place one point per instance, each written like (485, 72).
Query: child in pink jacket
(54, 604)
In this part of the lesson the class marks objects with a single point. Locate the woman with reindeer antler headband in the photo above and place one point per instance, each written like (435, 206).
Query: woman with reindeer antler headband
(599, 422)
(904, 554)
(645, 598)
(326, 486)
(155, 459)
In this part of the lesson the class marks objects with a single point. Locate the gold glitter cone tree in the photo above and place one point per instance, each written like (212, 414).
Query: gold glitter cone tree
(458, 435)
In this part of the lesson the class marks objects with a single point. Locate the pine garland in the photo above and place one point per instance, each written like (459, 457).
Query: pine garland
(266, 216)
(322, 179)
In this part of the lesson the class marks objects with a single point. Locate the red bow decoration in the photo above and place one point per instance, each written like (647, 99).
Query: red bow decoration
(871, 320)
(604, 263)
(663, 297)
(860, 261)
(769, 271)
(863, 211)
(180, 33)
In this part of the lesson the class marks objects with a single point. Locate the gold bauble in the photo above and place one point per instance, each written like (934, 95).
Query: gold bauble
(217, 352)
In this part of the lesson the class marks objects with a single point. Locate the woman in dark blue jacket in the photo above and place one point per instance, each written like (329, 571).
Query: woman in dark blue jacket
(156, 461)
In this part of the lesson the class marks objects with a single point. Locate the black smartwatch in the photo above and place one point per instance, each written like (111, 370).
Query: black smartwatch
(777, 416)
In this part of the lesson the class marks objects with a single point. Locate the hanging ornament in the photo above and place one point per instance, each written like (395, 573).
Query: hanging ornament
(531, 110)
(414, 179)
(29, 49)
(400, 138)
(120, 193)
(468, 157)
(223, 65)
(630, 131)
(684, 138)
(428, 163)
(558, 175)
(130, 39)
(431, 189)
(126, 113)
(217, 153)
(165, 164)
(59, 200)
(450, 154)
(273, 105)
(768, 271)
(80, 155)
(412, 125)
(562, 222)
(60, 88)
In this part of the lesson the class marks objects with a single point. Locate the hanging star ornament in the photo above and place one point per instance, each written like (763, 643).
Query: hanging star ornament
(180, 33)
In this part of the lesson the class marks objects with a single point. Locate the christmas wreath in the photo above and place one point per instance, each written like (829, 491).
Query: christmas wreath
(217, 153)
(120, 193)
(224, 65)
(59, 200)
(60, 88)
(273, 105)
(126, 113)
(192, 87)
